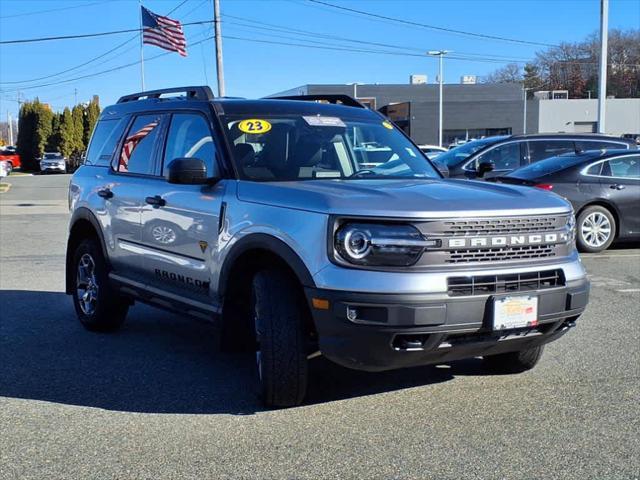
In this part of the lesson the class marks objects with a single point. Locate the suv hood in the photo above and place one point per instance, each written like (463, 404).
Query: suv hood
(404, 198)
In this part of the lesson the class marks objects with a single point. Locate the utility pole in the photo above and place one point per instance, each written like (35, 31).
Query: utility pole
(602, 80)
(218, 35)
(10, 122)
(440, 54)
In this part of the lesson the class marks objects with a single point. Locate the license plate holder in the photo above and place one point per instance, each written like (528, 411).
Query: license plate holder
(515, 312)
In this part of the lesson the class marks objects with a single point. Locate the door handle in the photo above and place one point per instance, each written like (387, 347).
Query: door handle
(617, 186)
(156, 201)
(105, 193)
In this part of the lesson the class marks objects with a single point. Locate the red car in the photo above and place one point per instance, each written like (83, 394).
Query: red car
(12, 159)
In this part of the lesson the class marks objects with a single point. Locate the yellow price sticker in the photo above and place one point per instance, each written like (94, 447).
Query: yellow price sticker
(254, 125)
(387, 125)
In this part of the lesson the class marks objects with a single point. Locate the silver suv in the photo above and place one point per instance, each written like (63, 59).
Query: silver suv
(313, 226)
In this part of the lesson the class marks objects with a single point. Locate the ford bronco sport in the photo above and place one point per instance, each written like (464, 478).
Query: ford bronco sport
(313, 227)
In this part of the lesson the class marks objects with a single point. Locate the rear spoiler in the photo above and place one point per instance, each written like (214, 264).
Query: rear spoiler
(334, 99)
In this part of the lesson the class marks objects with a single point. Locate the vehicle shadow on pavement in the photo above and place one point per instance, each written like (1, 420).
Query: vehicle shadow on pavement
(157, 363)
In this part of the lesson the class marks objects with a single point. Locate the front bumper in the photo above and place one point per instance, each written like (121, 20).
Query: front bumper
(53, 168)
(391, 331)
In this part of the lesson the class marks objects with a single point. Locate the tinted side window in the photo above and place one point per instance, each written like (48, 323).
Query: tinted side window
(597, 145)
(595, 169)
(504, 157)
(541, 149)
(104, 140)
(627, 167)
(190, 136)
(136, 155)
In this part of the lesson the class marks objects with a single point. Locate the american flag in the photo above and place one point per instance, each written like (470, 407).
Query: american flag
(130, 144)
(163, 32)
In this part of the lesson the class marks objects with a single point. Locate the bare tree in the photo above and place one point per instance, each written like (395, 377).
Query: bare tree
(510, 73)
(574, 67)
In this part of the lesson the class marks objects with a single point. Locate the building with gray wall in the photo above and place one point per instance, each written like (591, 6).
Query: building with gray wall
(477, 110)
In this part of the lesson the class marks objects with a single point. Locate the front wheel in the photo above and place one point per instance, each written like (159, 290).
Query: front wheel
(513, 362)
(281, 354)
(98, 305)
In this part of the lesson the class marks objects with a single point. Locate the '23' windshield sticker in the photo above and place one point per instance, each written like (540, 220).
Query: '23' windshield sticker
(254, 125)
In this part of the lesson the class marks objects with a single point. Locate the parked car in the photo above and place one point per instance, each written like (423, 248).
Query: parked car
(268, 216)
(12, 159)
(497, 156)
(603, 187)
(53, 162)
(432, 151)
(635, 137)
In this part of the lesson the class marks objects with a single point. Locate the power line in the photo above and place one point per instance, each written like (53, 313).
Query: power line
(432, 27)
(51, 10)
(91, 75)
(101, 55)
(72, 68)
(87, 35)
(279, 28)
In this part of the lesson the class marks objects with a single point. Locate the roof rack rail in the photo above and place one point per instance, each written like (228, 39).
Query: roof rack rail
(197, 93)
(335, 99)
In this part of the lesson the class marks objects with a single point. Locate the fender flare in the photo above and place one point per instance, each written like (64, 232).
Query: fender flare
(82, 213)
(272, 244)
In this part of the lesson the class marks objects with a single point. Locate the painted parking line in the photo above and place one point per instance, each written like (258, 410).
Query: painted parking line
(629, 290)
(596, 256)
(5, 187)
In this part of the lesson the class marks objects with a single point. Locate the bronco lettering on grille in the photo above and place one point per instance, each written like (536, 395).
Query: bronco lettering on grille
(504, 241)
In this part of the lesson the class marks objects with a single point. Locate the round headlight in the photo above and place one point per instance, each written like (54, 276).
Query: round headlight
(371, 244)
(357, 243)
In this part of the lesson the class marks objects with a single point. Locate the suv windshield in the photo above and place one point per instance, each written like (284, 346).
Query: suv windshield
(456, 155)
(307, 147)
(52, 156)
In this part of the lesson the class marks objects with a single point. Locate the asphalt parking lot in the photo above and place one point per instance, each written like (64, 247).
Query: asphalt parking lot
(158, 400)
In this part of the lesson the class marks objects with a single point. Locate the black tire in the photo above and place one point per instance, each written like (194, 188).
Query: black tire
(109, 308)
(582, 240)
(281, 341)
(513, 362)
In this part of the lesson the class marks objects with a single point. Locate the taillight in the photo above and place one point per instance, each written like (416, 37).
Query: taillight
(544, 186)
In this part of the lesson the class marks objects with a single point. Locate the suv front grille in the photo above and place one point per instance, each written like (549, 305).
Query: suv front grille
(490, 240)
(505, 283)
(505, 253)
(500, 226)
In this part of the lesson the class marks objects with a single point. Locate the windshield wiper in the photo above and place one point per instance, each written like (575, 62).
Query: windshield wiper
(360, 173)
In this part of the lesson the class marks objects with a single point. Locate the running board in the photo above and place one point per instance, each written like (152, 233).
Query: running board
(162, 299)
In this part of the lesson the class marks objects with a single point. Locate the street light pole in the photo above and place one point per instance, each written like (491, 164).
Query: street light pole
(602, 81)
(440, 54)
(524, 109)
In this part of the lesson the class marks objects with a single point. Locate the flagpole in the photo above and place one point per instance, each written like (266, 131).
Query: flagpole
(141, 49)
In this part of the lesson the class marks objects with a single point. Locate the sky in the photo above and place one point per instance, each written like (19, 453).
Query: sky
(253, 67)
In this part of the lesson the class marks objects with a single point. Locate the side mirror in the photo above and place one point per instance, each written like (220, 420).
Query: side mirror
(187, 171)
(442, 168)
(484, 168)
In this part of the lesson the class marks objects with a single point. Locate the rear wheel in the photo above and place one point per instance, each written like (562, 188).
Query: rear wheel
(596, 229)
(281, 351)
(98, 305)
(513, 362)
